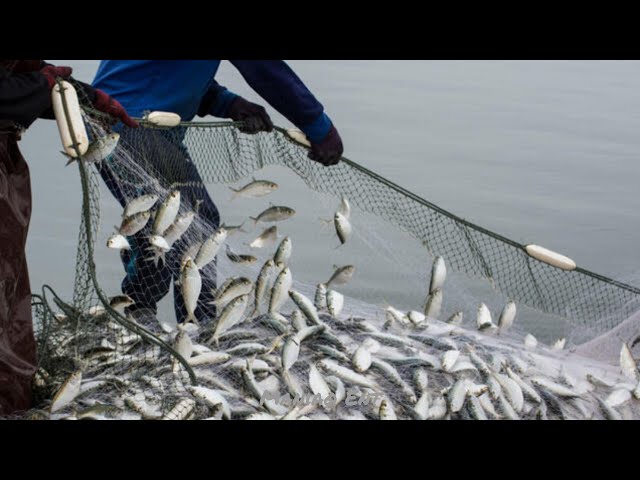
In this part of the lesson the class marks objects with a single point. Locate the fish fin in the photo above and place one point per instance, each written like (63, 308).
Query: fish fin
(255, 221)
(70, 161)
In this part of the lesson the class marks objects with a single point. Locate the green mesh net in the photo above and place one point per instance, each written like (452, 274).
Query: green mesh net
(140, 366)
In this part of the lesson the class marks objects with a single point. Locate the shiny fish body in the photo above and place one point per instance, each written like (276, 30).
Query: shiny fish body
(177, 228)
(283, 253)
(483, 318)
(69, 390)
(274, 214)
(306, 306)
(210, 248)
(166, 213)
(262, 282)
(341, 275)
(230, 316)
(118, 242)
(140, 204)
(507, 316)
(438, 274)
(255, 189)
(349, 376)
(266, 238)
(343, 227)
(627, 363)
(433, 305)
(237, 287)
(133, 224)
(241, 259)
(191, 284)
(320, 298)
(335, 302)
(280, 290)
(344, 208)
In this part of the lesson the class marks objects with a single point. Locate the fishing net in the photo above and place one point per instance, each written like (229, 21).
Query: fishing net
(100, 360)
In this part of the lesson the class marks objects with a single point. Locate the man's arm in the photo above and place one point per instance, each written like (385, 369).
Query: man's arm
(216, 101)
(23, 96)
(274, 81)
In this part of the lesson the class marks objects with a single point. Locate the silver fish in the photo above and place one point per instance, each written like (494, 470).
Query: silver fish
(343, 227)
(118, 242)
(166, 213)
(191, 284)
(160, 243)
(183, 345)
(235, 288)
(361, 360)
(280, 290)
(99, 149)
(177, 228)
(283, 253)
(344, 209)
(298, 321)
(274, 214)
(262, 283)
(341, 275)
(483, 318)
(290, 352)
(233, 229)
(210, 247)
(386, 411)
(255, 189)
(320, 298)
(433, 306)
(230, 316)
(241, 259)
(507, 316)
(140, 204)
(67, 392)
(335, 302)
(456, 319)
(349, 376)
(627, 363)
(121, 301)
(266, 238)
(438, 274)
(306, 306)
(133, 224)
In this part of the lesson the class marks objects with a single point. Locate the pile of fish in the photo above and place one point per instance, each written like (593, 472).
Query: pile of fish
(281, 351)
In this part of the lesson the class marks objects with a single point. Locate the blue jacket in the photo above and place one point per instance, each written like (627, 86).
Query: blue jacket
(187, 87)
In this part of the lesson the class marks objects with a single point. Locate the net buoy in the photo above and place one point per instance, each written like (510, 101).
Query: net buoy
(298, 136)
(74, 119)
(550, 257)
(164, 119)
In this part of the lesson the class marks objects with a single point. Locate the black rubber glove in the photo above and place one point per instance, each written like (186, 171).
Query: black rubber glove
(329, 151)
(254, 116)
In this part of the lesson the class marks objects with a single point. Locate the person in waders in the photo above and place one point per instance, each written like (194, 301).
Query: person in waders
(25, 95)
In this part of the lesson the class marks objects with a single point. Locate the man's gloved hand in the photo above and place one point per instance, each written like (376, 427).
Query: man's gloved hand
(51, 72)
(329, 150)
(254, 116)
(111, 106)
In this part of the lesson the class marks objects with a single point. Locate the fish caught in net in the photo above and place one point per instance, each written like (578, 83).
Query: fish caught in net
(247, 334)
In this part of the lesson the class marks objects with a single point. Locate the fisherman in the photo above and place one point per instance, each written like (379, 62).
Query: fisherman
(188, 88)
(25, 95)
